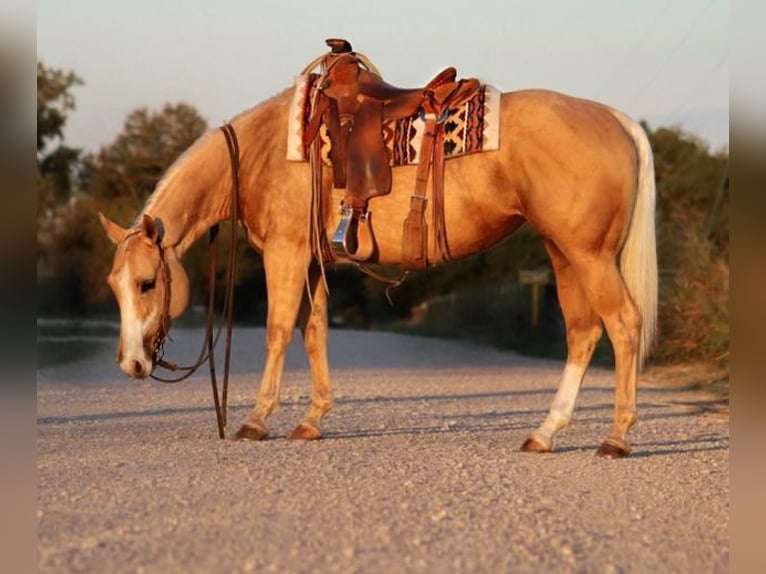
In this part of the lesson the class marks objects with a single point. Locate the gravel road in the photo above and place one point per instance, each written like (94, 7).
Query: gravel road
(418, 471)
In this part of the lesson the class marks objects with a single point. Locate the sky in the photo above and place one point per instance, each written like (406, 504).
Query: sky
(663, 61)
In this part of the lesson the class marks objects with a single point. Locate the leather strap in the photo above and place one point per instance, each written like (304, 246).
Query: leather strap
(415, 231)
(437, 205)
(208, 345)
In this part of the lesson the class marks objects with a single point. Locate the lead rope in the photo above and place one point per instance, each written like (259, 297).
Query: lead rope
(209, 343)
(233, 144)
(209, 340)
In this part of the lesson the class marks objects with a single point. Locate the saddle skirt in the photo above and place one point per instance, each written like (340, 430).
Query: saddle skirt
(470, 128)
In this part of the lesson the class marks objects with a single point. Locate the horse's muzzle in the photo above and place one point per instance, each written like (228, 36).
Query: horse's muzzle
(136, 368)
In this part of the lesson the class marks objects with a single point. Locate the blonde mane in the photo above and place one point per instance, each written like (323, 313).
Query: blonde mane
(174, 171)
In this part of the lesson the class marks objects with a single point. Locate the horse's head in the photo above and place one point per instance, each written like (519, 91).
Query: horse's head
(151, 288)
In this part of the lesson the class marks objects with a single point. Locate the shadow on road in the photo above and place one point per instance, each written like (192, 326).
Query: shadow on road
(477, 415)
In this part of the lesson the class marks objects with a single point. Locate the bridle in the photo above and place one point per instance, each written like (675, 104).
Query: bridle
(163, 331)
(206, 353)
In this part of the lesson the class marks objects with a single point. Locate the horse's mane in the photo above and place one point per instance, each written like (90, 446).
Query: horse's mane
(171, 173)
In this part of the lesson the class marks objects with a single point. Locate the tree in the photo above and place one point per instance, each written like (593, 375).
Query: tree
(118, 180)
(130, 167)
(55, 161)
(693, 248)
(122, 175)
(689, 180)
(54, 102)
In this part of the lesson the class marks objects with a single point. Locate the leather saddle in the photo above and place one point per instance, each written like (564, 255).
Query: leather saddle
(354, 102)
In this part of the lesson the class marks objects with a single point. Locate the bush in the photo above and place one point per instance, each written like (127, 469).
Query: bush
(694, 306)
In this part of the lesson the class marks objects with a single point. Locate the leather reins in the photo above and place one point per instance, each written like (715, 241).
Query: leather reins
(209, 343)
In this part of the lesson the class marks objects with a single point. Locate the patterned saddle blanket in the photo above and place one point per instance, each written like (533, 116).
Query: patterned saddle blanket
(472, 127)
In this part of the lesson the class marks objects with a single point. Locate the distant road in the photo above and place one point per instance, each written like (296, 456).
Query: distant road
(419, 470)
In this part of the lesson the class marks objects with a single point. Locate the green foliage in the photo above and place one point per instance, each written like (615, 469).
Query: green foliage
(694, 307)
(73, 254)
(55, 161)
(57, 168)
(689, 179)
(149, 143)
(75, 263)
(693, 249)
(54, 102)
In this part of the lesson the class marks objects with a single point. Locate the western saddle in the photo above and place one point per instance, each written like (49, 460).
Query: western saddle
(354, 101)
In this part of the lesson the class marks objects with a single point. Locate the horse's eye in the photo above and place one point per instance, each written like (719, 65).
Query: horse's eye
(147, 286)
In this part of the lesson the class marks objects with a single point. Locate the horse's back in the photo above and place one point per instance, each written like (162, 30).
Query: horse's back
(564, 163)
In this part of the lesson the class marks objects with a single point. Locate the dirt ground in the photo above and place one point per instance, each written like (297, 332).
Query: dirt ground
(419, 469)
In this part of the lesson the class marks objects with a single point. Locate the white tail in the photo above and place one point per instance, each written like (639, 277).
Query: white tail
(638, 259)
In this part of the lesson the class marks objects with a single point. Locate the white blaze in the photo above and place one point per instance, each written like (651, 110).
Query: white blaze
(133, 327)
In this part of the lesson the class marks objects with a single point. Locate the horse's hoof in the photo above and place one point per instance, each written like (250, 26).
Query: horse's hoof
(248, 432)
(534, 445)
(612, 450)
(305, 431)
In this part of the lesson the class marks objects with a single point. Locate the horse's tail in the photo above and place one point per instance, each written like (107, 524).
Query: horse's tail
(638, 259)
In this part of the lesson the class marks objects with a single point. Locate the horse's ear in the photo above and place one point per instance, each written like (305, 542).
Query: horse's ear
(113, 231)
(153, 228)
(179, 285)
(149, 227)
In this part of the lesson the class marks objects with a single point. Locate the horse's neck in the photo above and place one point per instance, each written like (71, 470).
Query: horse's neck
(196, 192)
(194, 195)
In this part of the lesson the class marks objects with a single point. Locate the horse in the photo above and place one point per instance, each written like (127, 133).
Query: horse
(578, 171)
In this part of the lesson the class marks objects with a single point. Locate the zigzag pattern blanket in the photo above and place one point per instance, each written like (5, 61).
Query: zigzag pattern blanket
(470, 128)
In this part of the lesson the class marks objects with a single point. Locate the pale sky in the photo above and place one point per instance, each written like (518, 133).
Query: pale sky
(664, 61)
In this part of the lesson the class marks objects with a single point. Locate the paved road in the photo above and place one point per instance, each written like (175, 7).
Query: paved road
(419, 470)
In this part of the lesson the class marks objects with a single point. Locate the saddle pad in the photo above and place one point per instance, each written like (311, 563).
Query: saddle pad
(470, 128)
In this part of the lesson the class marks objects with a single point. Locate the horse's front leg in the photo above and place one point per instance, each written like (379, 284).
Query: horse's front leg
(285, 279)
(313, 323)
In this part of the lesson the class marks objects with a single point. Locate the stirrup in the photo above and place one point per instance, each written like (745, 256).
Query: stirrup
(345, 243)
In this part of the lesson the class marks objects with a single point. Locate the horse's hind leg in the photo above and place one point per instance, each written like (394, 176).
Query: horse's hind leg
(313, 323)
(609, 296)
(583, 330)
(285, 280)
(623, 325)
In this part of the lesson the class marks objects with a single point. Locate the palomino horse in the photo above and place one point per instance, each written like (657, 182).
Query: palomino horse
(580, 172)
